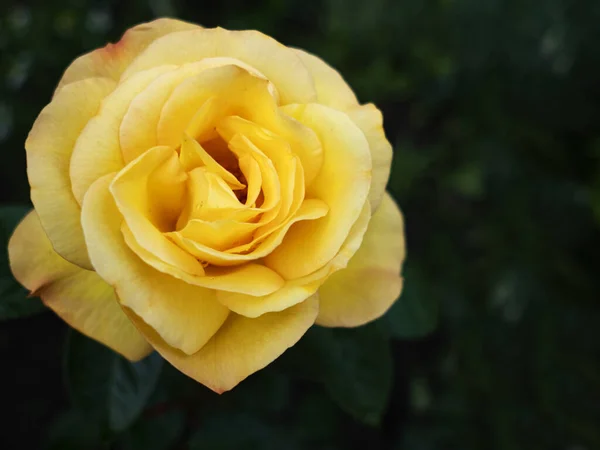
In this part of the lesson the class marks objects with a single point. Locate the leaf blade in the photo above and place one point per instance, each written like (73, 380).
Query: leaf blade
(14, 302)
(105, 386)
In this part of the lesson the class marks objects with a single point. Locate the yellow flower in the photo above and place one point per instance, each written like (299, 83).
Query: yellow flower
(210, 194)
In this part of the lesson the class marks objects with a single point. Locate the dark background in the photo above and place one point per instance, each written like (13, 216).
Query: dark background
(493, 108)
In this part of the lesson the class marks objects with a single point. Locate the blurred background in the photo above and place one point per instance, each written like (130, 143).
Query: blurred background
(493, 109)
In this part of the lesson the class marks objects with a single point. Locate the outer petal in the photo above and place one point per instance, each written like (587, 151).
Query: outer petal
(185, 316)
(49, 147)
(332, 89)
(311, 209)
(151, 190)
(298, 290)
(138, 130)
(112, 60)
(250, 278)
(370, 120)
(192, 155)
(241, 347)
(371, 282)
(343, 184)
(278, 63)
(237, 92)
(149, 193)
(80, 297)
(98, 150)
(290, 294)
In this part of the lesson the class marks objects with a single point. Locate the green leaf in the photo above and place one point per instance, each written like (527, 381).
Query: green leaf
(235, 431)
(468, 180)
(10, 216)
(415, 313)
(360, 372)
(272, 388)
(354, 365)
(107, 387)
(70, 431)
(156, 433)
(317, 418)
(14, 302)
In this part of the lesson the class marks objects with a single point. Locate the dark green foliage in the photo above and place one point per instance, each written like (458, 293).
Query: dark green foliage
(354, 366)
(493, 110)
(72, 431)
(105, 386)
(415, 314)
(158, 432)
(13, 297)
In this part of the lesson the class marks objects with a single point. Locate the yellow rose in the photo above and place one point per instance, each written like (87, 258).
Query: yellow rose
(210, 194)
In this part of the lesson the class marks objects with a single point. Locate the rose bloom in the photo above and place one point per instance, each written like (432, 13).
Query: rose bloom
(209, 194)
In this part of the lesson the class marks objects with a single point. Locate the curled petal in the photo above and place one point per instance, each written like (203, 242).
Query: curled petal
(184, 315)
(80, 297)
(371, 282)
(278, 63)
(251, 279)
(311, 209)
(343, 184)
(299, 289)
(370, 120)
(292, 293)
(288, 168)
(332, 89)
(49, 148)
(98, 151)
(138, 130)
(150, 193)
(193, 155)
(112, 60)
(241, 347)
(192, 109)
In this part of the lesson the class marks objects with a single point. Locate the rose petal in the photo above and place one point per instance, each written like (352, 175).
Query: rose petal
(237, 92)
(220, 234)
(278, 63)
(138, 129)
(185, 110)
(271, 189)
(150, 193)
(193, 155)
(332, 89)
(49, 147)
(299, 289)
(251, 279)
(289, 172)
(370, 120)
(292, 293)
(184, 315)
(80, 297)
(241, 347)
(97, 151)
(371, 282)
(311, 209)
(112, 60)
(343, 184)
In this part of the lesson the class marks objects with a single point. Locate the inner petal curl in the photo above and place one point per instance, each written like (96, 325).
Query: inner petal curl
(239, 169)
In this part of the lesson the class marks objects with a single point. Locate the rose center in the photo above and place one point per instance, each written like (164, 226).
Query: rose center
(220, 152)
